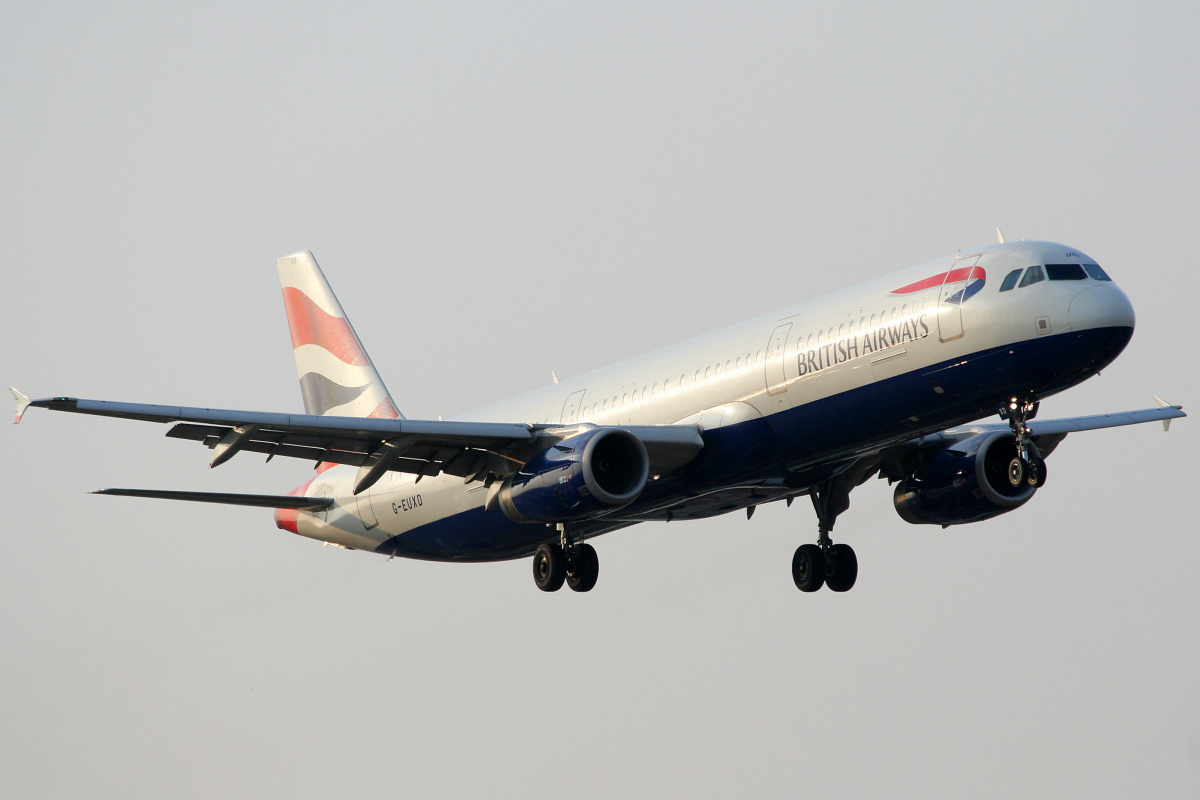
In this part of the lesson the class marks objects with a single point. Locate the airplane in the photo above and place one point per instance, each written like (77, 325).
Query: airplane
(885, 379)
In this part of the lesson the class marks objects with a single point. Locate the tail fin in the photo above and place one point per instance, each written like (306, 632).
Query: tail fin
(337, 377)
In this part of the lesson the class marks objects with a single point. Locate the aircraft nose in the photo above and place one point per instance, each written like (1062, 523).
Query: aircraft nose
(1100, 307)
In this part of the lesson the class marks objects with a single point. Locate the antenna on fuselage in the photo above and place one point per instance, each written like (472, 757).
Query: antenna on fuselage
(1000, 235)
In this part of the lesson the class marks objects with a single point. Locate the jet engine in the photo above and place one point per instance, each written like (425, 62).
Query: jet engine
(586, 475)
(967, 481)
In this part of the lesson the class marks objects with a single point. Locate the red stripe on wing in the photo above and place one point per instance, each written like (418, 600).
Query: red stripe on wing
(953, 276)
(309, 324)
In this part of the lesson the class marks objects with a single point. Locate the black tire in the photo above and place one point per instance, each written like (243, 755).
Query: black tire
(808, 568)
(549, 567)
(583, 569)
(1037, 472)
(1016, 472)
(841, 568)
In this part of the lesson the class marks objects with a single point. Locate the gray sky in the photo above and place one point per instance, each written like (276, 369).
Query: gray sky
(496, 191)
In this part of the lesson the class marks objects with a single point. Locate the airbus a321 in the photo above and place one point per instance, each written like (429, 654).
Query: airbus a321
(884, 379)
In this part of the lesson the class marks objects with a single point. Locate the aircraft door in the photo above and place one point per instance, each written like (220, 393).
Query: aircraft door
(950, 299)
(570, 412)
(366, 512)
(775, 372)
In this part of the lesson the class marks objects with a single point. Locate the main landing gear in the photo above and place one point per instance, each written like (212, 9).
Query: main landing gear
(826, 563)
(570, 561)
(1027, 466)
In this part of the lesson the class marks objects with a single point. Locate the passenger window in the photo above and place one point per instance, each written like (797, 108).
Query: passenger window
(654, 391)
(872, 320)
(758, 357)
(1096, 273)
(841, 330)
(707, 372)
(1065, 272)
(625, 398)
(1032, 276)
(606, 405)
(727, 363)
(738, 365)
(820, 337)
(810, 340)
(904, 310)
(1010, 280)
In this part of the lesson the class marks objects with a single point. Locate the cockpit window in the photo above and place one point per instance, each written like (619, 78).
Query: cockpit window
(1010, 280)
(1032, 275)
(1066, 272)
(1096, 273)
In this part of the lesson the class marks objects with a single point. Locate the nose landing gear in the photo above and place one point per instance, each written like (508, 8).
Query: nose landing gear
(1027, 466)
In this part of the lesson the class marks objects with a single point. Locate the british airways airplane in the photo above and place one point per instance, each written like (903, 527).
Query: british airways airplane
(883, 379)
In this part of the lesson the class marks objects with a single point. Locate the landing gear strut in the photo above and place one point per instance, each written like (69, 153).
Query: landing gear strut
(1027, 466)
(571, 561)
(826, 563)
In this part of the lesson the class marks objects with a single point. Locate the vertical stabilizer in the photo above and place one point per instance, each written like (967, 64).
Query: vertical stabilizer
(337, 377)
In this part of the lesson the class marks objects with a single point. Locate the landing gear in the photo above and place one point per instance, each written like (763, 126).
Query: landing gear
(808, 568)
(549, 567)
(826, 563)
(569, 561)
(583, 568)
(1028, 467)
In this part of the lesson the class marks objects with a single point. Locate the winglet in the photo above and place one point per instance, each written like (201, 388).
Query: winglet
(22, 403)
(1161, 404)
(999, 236)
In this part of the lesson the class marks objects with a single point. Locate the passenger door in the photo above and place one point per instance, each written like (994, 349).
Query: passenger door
(570, 412)
(775, 367)
(950, 322)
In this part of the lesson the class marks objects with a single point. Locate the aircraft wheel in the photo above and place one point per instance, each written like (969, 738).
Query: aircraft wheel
(808, 568)
(549, 567)
(583, 569)
(1016, 472)
(1037, 472)
(841, 568)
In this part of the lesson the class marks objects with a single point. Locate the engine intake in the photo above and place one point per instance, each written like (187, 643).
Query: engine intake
(587, 475)
(965, 482)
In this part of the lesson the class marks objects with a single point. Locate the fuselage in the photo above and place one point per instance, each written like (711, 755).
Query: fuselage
(784, 399)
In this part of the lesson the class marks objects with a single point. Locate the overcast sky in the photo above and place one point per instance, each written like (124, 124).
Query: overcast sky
(501, 190)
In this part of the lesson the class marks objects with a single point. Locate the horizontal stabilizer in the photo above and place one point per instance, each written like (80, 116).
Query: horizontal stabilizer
(259, 500)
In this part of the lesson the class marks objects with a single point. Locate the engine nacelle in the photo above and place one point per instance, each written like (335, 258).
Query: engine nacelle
(965, 482)
(595, 472)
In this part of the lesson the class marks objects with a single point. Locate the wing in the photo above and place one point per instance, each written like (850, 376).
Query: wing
(1047, 434)
(470, 450)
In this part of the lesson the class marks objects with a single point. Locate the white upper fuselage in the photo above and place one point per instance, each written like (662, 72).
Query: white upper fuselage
(776, 363)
